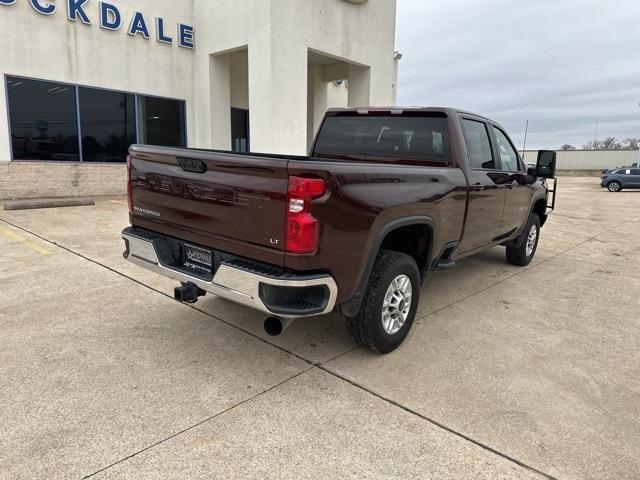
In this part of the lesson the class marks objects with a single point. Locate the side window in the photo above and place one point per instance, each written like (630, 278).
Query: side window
(623, 172)
(635, 171)
(508, 156)
(476, 139)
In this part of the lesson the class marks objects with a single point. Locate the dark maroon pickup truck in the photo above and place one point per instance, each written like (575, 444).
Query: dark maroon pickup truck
(385, 196)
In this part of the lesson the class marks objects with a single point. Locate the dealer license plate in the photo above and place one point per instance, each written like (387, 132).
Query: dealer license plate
(199, 255)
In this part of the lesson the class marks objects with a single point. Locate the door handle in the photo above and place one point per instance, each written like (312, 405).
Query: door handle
(478, 187)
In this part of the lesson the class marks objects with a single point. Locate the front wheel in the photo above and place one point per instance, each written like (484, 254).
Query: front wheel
(523, 253)
(389, 306)
(614, 186)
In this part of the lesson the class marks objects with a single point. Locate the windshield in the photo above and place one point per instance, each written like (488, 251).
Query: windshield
(385, 137)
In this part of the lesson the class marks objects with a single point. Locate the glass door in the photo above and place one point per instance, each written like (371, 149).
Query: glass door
(240, 130)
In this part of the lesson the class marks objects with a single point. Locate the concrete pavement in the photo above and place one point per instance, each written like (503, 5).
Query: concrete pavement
(508, 372)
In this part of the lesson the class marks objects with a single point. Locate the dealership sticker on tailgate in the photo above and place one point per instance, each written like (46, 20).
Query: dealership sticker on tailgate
(199, 255)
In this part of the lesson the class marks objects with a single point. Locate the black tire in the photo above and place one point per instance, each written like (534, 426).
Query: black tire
(614, 186)
(518, 255)
(366, 327)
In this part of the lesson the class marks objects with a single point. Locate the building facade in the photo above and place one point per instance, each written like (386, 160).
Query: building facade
(83, 79)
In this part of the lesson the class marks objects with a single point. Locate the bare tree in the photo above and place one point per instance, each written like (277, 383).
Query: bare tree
(609, 143)
(566, 146)
(592, 145)
(631, 143)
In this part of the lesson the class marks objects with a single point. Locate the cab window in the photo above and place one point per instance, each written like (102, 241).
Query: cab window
(476, 138)
(506, 152)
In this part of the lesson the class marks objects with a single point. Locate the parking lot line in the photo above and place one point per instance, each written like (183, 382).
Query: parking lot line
(27, 243)
(119, 201)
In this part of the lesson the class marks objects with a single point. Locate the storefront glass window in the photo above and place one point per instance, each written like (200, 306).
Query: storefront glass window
(48, 118)
(43, 118)
(161, 121)
(107, 124)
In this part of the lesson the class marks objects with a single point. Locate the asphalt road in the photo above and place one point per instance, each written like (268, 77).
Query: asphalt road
(508, 372)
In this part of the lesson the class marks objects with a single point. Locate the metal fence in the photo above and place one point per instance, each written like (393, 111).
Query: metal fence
(589, 159)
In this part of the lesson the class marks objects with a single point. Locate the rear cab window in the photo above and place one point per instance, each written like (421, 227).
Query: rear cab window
(385, 138)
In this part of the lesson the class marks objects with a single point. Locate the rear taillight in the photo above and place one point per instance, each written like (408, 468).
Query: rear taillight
(129, 194)
(302, 227)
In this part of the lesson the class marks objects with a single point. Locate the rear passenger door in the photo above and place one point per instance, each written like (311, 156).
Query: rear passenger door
(518, 196)
(634, 179)
(486, 186)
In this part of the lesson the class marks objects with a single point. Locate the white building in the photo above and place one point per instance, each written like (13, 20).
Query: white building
(83, 79)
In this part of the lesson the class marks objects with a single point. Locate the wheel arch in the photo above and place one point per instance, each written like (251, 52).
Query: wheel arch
(539, 207)
(412, 235)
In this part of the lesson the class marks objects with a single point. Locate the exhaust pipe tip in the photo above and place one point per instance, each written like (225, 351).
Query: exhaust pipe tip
(274, 326)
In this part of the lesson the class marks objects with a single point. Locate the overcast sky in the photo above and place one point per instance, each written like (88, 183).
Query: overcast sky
(561, 64)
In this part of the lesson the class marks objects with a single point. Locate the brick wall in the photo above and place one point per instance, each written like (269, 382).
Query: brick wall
(19, 180)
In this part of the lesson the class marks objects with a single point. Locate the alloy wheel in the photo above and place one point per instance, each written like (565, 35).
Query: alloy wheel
(396, 304)
(531, 240)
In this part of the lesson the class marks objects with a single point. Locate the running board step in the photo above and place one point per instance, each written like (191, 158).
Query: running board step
(445, 264)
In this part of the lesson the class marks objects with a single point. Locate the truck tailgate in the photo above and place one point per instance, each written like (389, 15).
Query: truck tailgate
(230, 202)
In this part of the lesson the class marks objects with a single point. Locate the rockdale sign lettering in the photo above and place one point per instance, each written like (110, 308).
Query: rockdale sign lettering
(111, 19)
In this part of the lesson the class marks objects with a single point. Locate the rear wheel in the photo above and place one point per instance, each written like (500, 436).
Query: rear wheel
(527, 245)
(389, 306)
(614, 186)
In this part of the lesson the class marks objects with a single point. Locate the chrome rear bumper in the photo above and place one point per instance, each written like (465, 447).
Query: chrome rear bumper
(238, 284)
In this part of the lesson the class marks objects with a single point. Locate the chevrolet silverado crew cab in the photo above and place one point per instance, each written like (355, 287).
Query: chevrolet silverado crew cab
(386, 196)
